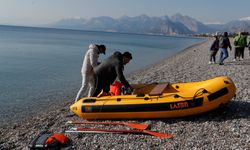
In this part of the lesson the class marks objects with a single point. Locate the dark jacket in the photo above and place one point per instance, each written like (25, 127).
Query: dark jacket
(215, 45)
(225, 43)
(108, 71)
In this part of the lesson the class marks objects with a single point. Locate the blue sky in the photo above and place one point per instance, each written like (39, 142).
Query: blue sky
(32, 12)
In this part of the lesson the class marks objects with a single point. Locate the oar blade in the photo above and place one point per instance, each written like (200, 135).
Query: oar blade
(157, 134)
(137, 126)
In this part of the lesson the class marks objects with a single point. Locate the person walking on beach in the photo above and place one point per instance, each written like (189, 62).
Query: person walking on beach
(245, 44)
(109, 70)
(90, 61)
(237, 46)
(224, 44)
(213, 50)
(240, 43)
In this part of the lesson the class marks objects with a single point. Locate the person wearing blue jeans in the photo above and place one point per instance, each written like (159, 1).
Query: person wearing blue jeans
(223, 55)
(224, 44)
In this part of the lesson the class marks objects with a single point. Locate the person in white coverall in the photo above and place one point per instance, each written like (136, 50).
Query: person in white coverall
(90, 61)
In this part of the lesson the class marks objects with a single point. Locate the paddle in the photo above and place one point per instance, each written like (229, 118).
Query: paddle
(131, 125)
(91, 130)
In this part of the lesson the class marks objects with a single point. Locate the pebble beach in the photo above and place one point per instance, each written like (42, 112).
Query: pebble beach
(224, 128)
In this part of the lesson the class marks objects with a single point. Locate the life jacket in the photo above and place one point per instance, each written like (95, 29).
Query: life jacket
(45, 141)
(64, 140)
(115, 88)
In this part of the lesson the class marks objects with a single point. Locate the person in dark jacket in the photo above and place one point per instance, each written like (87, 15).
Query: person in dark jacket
(109, 70)
(213, 50)
(224, 44)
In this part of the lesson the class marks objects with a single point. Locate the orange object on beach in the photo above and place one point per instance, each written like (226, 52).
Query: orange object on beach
(115, 89)
(64, 140)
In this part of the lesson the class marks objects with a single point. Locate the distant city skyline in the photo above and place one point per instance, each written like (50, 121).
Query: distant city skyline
(37, 12)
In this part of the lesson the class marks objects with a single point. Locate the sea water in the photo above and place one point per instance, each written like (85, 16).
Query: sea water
(40, 67)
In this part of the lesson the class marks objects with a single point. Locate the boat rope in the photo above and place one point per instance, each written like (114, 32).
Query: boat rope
(200, 92)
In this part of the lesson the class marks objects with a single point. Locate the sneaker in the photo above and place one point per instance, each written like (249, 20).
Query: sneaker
(234, 59)
(213, 62)
(209, 62)
(221, 63)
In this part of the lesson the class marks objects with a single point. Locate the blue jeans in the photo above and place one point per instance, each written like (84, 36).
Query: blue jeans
(223, 54)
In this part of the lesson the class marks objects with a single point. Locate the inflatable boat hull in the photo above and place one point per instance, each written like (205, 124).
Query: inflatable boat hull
(175, 100)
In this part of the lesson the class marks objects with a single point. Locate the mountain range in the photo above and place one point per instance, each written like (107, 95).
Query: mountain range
(143, 24)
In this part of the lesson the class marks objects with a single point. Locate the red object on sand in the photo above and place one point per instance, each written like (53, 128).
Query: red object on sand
(115, 89)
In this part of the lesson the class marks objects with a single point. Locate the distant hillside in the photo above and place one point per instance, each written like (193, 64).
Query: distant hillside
(237, 25)
(174, 25)
(191, 24)
(69, 23)
(240, 25)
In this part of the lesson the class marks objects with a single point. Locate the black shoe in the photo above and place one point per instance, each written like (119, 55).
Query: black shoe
(221, 63)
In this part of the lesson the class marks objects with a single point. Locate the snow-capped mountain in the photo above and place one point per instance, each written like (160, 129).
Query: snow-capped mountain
(176, 24)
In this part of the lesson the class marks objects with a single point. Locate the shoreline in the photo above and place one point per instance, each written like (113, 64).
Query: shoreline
(217, 129)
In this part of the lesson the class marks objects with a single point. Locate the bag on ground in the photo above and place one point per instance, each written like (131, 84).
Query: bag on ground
(48, 141)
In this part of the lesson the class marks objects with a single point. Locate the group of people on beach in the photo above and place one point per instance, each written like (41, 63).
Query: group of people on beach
(97, 77)
(223, 43)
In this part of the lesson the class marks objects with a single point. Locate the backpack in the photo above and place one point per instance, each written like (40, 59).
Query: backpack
(240, 41)
(236, 42)
(48, 141)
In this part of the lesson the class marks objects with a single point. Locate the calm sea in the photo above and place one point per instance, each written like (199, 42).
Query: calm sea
(40, 67)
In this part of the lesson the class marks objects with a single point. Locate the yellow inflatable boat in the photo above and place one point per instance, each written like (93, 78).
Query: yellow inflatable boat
(159, 100)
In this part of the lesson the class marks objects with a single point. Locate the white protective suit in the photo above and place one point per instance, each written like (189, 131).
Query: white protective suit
(89, 62)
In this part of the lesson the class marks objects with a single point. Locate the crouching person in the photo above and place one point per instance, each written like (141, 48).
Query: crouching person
(109, 70)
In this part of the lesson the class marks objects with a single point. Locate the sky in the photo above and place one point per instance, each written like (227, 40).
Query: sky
(37, 12)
